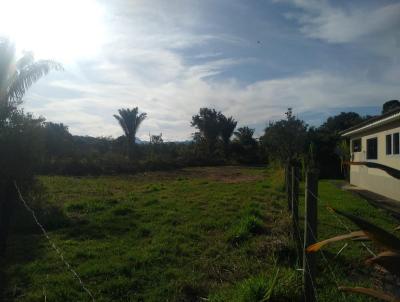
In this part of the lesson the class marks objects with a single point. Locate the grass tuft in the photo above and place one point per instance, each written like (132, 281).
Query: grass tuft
(248, 226)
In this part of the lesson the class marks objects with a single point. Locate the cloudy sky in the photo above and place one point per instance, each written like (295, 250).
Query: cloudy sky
(248, 58)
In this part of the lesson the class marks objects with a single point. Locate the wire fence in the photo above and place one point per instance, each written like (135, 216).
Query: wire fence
(297, 231)
(53, 245)
(337, 217)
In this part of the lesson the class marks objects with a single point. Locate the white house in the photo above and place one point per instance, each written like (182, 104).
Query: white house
(375, 154)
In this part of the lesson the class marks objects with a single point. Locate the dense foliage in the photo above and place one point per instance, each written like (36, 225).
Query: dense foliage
(216, 142)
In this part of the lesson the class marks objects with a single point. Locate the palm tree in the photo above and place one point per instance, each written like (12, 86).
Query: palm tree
(16, 76)
(227, 126)
(244, 135)
(130, 120)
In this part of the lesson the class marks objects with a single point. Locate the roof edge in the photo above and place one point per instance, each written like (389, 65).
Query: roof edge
(373, 122)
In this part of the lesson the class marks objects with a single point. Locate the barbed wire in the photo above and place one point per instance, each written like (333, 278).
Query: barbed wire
(342, 223)
(52, 244)
(335, 279)
(307, 263)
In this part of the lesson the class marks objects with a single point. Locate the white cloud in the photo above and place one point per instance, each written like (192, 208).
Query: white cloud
(143, 65)
(170, 106)
(373, 27)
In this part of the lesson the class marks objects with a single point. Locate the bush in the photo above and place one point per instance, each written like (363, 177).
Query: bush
(50, 215)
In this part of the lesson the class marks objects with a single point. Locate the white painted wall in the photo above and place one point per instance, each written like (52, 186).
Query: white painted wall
(372, 179)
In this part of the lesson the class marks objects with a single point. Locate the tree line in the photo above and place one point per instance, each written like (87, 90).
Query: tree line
(216, 141)
(30, 145)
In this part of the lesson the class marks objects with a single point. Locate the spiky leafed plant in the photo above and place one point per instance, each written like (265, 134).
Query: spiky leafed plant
(388, 258)
(207, 123)
(130, 120)
(244, 135)
(227, 125)
(16, 76)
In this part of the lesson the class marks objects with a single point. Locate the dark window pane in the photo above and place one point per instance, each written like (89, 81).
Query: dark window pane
(356, 143)
(389, 144)
(372, 148)
(396, 143)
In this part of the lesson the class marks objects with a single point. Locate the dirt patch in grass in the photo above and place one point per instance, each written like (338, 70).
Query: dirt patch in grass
(228, 174)
(225, 174)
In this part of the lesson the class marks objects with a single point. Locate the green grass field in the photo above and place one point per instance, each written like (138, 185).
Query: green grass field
(201, 234)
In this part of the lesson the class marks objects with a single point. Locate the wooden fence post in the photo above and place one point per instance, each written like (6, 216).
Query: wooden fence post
(310, 235)
(295, 212)
(288, 179)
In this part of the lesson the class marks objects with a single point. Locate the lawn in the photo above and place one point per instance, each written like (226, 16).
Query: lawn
(213, 234)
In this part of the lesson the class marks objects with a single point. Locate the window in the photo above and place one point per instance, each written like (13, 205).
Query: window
(396, 143)
(356, 145)
(372, 148)
(388, 144)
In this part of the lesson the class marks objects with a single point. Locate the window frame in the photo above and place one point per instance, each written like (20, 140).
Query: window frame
(368, 155)
(396, 145)
(356, 142)
(389, 144)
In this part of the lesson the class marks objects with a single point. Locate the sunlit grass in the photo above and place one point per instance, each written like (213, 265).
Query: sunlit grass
(215, 233)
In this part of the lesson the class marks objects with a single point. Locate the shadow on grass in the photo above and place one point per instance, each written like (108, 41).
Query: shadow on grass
(21, 249)
(24, 242)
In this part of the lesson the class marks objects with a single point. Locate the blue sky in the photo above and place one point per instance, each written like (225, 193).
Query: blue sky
(250, 59)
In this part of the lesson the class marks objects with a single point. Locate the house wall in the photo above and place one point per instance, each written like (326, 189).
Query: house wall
(373, 179)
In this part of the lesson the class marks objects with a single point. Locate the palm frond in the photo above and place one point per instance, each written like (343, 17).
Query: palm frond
(22, 79)
(121, 122)
(137, 121)
(130, 121)
(388, 260)
(27, 59)
(7, 66)
(374, 233)
(370, 292)
(317, 246)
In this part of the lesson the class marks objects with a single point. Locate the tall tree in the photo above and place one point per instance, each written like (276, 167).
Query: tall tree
(326, 140)
(156, 139)
(130, 121)
(227, 125)
(19, 132)
(286, 139)
(16, 76)
(390, 105)
(245, 146)
(58, 141)
(340, 122)
(207, 122)
(244, 135)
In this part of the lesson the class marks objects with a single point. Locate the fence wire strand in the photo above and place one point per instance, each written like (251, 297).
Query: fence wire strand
(52, 244)
(333, 214)
(306, 261)
(335, 279)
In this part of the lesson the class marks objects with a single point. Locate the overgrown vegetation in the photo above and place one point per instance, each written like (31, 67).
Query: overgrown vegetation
(221, 234)
(216, 233)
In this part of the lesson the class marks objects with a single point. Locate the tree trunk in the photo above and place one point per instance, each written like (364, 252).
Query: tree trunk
(131, 147)
(226, 149)
(7, 200)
